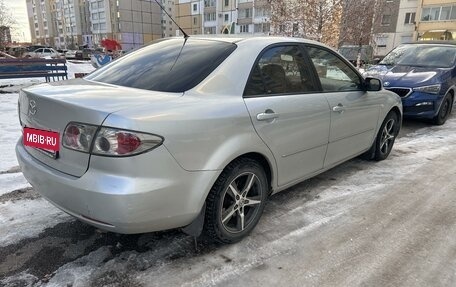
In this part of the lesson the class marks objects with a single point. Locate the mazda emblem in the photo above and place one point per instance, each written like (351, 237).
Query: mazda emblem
(32, 107)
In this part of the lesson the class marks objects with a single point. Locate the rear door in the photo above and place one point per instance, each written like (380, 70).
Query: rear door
(354, 112)
(288, 112)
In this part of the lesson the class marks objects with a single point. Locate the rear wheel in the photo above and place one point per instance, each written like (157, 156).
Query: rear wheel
(236, 201)
(386, 136)
(444, 112)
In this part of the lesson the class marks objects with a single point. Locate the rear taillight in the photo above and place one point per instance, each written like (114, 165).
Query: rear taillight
(108, 141)
(78, 136)
(114, 142)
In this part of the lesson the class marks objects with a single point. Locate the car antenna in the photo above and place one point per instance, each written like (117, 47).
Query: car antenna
(164, 10)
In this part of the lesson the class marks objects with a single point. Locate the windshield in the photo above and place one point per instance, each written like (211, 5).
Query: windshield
(422, 55)
(171, 65)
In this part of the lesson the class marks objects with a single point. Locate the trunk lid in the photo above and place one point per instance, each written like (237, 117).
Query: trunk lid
(52, 106)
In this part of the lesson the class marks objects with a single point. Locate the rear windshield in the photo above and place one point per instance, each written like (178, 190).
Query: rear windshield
(422, 55)
(171, 65)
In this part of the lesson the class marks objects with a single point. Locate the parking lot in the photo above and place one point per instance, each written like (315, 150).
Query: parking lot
(363, 223)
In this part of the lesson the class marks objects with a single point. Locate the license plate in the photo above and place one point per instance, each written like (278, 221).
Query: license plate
(45, 140)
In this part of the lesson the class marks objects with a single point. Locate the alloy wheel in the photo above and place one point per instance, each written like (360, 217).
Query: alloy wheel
(241, 202)
(388, 135)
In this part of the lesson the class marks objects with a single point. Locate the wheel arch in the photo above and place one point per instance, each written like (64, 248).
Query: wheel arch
(195, 228)
(452, 93)
(263, 161)
(398, 112)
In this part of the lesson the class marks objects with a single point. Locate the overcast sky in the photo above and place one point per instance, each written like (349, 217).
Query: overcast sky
(21, 32)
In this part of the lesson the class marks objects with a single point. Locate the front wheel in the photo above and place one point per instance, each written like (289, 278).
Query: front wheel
(236, 201)
(386, 136)
(444, 112)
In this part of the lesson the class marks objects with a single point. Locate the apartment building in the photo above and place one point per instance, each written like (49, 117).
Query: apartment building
(394, 25)
(78, 23)
(223, 16)
(402, 21)
(41, 29)
(69, 22)
(437, 20)
(189, 16)
(132, 23)
(168, 26)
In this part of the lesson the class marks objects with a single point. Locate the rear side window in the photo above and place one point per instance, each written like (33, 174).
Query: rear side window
(280, 70)
(172, 65)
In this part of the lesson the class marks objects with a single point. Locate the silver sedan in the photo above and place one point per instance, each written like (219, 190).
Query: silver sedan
(196, 133)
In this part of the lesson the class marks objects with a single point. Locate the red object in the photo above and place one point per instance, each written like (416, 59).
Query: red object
(46, 140)
(110, 44)
(127, 142)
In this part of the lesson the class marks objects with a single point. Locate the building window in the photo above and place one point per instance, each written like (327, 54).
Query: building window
(227, 2)
(209, 3)
(195, 7)
(439, 13)
(244, 28)
(381, 41)
(209, 16)
(195, 20)
(410, 18)
(227, 17)
(445, 13)
(453, 13)
(245, 13)
(386, 20)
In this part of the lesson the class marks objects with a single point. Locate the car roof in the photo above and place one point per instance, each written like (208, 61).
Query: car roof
(252, 39)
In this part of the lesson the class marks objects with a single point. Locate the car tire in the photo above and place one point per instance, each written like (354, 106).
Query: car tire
(386, 136)
(444, 111)
(236, 201)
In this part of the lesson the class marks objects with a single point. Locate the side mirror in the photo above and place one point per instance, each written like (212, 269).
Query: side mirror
(372, 84)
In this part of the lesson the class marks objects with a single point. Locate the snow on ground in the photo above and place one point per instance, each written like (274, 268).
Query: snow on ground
(27, 219)
(12, 181)
(9, 121)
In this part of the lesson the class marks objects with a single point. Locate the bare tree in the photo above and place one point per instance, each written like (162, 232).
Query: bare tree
(333, 22)
(313, 19)
(357, 22)
(6, 22)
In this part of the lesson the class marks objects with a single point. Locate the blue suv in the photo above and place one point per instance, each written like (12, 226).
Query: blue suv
(423, 74)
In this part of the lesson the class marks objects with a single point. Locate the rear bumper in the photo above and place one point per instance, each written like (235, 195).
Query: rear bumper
(145, 193)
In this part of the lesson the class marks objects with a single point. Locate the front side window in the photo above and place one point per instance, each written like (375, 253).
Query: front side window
(171, 65)
(280, 70)
(334, 74)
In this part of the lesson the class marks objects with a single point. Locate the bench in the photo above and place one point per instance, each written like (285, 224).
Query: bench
(33, 68)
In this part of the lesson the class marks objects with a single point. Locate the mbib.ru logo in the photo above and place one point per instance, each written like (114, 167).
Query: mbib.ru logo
(41, 139)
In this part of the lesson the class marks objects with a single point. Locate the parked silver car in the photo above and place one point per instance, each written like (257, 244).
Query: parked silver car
(43, 53)
(197, 133)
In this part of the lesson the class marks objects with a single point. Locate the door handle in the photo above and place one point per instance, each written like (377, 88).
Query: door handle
(339, 108)
(267, 115)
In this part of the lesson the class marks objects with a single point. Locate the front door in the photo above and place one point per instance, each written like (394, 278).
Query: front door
(287, 111)
(354, 112)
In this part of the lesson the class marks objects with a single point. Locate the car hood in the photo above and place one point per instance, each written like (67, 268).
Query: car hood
(404, 76)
